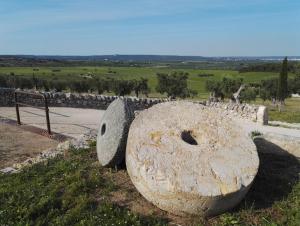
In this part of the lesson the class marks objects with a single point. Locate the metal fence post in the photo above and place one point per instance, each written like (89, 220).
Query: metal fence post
(47, 114)
(17, 108)
(29, 105)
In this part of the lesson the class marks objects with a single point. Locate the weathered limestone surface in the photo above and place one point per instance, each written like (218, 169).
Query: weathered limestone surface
(189, 159)
(113, 131)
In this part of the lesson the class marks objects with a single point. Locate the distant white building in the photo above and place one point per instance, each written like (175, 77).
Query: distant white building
(295, 95)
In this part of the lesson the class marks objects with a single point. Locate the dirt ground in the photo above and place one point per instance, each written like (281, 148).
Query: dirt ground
(16, 144)
(125, 195)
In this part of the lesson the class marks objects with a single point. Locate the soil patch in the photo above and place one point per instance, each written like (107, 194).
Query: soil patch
(16, 144)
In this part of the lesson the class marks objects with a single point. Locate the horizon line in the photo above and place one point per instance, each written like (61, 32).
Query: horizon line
(175, 55)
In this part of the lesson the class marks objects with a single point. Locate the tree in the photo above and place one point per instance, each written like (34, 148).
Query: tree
(34, 81)
(294, 84)
(268, 89)
(225, 88)
(141, 86)
(45, 85)
(24, 83)
(122, 87)
(57, 85)
(100, 86)
(282, 88)
(230, 86)
(174, 85)
(248, 94)
(215, 89)
(79, 86)
(11, 81)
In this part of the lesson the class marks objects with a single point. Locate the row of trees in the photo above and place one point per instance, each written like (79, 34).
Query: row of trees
(269, 88)
(275, 89)
(269, 67)
(227, 87)
(173, 85)
(100, 85)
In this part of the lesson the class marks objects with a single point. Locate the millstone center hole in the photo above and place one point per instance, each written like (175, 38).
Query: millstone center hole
(103, 129)
(187, 137)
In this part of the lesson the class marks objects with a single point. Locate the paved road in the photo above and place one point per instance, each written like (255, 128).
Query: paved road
(68, 121)
(76, 121)
(252, 126)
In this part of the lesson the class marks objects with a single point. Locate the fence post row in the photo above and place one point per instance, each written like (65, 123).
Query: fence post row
(46, 108)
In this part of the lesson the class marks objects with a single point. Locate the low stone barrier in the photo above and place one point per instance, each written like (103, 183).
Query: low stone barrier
(253, 113)
(7, 97)
(59, 99)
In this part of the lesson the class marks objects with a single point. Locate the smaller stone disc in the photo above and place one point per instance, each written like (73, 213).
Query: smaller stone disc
(113, 132)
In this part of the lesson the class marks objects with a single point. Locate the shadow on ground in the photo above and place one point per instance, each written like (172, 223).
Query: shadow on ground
(278, 173)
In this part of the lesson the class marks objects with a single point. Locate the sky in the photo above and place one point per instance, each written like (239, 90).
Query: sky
(167, 27)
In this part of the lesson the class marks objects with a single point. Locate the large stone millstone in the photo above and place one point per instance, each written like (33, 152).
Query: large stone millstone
(113, 131)
(189, 159)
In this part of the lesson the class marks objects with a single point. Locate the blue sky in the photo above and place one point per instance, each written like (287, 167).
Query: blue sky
(176, 27)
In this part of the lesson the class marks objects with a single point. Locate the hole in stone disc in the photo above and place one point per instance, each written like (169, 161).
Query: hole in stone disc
(188, 138)
(103, 129)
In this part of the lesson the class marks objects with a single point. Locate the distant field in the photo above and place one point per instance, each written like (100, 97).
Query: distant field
(195, 82)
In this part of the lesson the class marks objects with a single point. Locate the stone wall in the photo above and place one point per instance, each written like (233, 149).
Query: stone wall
(75, 100)
(6, 97)
(59, 99)
(254, 113)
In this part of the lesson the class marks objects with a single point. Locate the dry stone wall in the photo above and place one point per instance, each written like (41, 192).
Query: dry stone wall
(253, 113)
(59, 99)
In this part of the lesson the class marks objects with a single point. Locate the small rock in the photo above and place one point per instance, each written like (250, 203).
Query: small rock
(63, 146)
(8, 170)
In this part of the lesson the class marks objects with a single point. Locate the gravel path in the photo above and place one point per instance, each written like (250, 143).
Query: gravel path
(68, 121)
(252, 126)
(76, 121)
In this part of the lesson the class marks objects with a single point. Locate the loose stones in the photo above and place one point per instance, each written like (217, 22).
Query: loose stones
(189, 159)
(113, 131)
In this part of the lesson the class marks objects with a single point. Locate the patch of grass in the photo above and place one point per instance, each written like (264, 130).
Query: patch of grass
(290, 112)
(255, 133)
(75, 190)
(62, 192)
(284, 116)
(274, 198)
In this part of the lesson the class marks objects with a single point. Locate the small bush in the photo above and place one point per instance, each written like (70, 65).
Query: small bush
(256, 133)
(205, 75)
